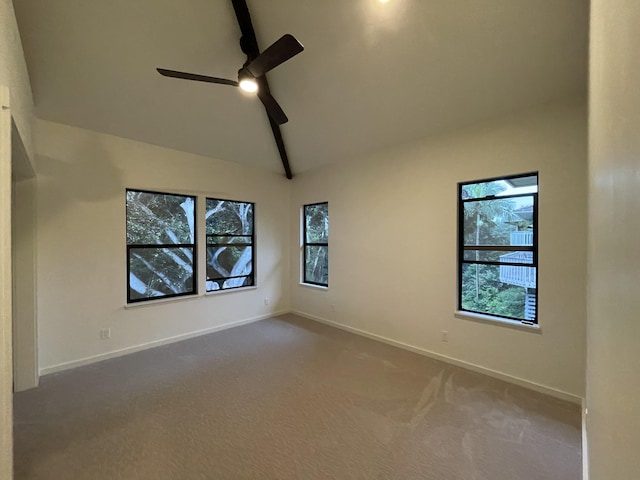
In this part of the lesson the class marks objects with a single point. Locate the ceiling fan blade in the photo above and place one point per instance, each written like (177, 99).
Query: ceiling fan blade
(281, 51)
(273, 108)
(195, 77)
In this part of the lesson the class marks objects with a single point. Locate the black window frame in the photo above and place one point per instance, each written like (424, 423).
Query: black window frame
(176, 246)
(506, 248)
(252, 245)
(306, 244)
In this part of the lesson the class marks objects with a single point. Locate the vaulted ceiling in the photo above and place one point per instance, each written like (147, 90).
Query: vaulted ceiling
(372, 74)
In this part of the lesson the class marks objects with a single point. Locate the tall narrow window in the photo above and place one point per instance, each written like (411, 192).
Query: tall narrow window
(498, 247)
(230, 244)
(316, 244)
(161, 245)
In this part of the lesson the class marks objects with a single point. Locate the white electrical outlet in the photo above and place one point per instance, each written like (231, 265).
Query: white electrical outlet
(444, 336)
(266, 302)
(333, 308)
(105, 334)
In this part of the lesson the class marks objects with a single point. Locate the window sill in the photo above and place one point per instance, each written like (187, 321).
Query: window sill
(230, 290)
(157, 301)
(504, 322)
(311, 285)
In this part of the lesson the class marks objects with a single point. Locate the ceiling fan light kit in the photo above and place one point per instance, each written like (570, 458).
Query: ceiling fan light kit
(246, 81)
(252, 76)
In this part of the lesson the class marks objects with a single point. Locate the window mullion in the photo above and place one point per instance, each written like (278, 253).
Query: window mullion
(499, 248)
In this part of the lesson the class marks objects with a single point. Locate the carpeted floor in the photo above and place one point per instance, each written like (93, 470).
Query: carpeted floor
(288, 398)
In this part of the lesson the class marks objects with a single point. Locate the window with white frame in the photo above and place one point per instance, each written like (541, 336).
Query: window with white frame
(315, 234)
(498, 247)
(230, 244)
(161, 245)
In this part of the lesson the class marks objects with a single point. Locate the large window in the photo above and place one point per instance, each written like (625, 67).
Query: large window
(161, 245)
(230, 244)
(498, 247)
(316, 244)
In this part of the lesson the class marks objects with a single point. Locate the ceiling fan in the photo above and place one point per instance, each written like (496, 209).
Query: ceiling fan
(251, 77)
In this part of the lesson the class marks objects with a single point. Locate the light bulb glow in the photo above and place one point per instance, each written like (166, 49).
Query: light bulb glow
(249, 85)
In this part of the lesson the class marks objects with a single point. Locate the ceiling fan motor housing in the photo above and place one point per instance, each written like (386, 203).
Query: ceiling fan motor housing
(244, 74)
(249, 47)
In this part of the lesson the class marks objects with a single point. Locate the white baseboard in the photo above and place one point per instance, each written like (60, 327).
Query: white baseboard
(156, 343)
(421, 351)
(453, 361)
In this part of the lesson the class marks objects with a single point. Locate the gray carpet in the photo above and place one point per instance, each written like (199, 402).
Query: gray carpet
(287, 398)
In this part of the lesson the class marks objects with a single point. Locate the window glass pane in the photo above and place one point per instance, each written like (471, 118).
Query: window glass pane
(219, 239)
(484, 189)
(223, 262)
(513, 186)
(157, 272)
(504, 291)
(317, 223)
(225, 217)
(229, 223)
(499, 221)
(499, 213)
(498, 256)
(159, 218)
(316, 269)
(222, 284)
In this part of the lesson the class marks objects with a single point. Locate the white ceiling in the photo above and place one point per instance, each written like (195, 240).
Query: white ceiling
(372, 75)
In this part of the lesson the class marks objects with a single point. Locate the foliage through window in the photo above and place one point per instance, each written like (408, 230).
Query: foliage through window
(161, 245)
(498, 247)
(316, 244)
(230, 244)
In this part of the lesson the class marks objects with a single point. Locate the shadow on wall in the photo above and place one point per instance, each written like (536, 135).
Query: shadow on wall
(21, 166)
(274, 274)
(90, 177)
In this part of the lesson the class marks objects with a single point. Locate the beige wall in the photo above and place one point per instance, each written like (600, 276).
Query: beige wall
(81, 184)
(613, 362)
(25, 346)
(13, 73)
(6, 377)
(392, 261)
(406, 196)
(14, 76)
